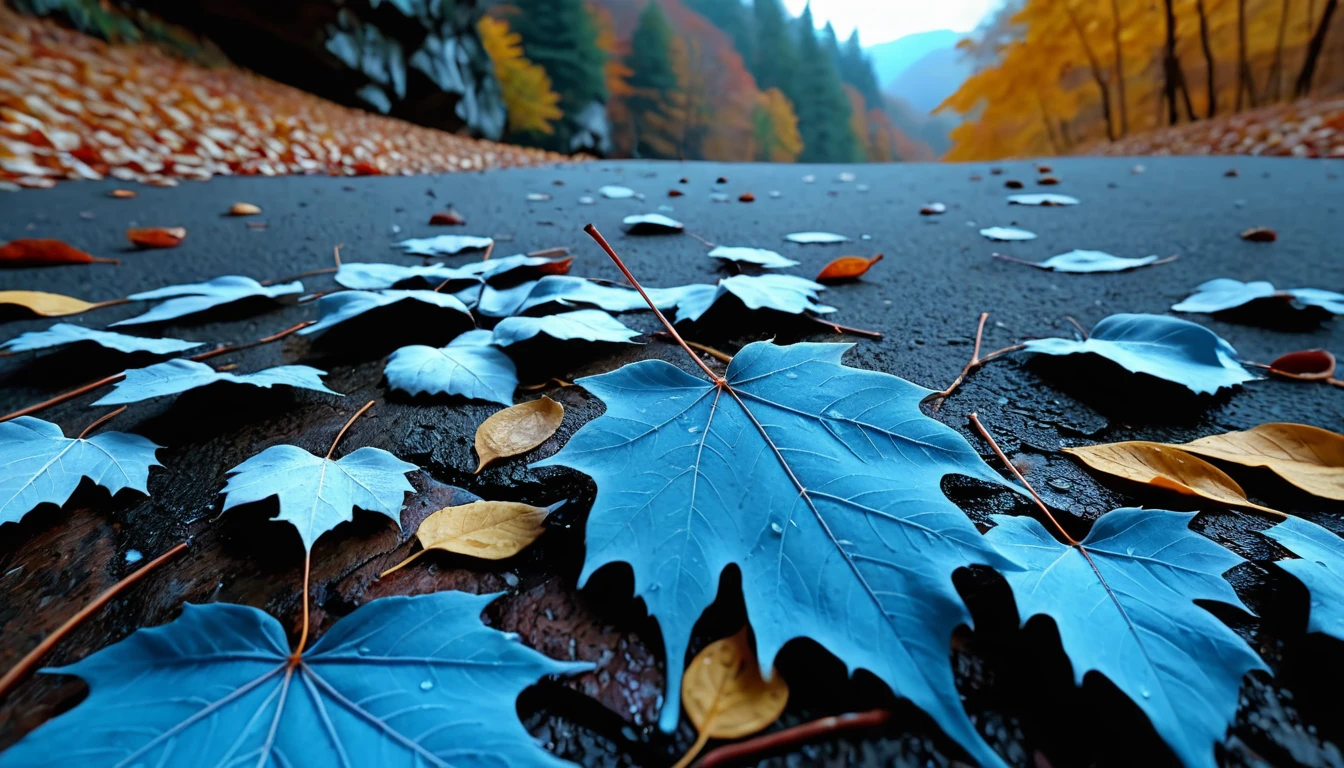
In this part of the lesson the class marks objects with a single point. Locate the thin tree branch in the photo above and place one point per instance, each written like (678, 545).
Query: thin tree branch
(975, 420)
(769, 743)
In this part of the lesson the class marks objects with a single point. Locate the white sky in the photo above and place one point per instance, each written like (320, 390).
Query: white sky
(882, 20)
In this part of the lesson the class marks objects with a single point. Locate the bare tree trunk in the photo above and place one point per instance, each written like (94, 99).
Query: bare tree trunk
(1209, 63)
(1120, 67)
(1049, 126)
(1096, 72)
(1274, 85)
(1314, 49)
(1169, 69)
(1245, 78)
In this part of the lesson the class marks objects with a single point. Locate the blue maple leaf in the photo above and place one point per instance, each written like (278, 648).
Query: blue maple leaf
(819, 481)
(1223, 293)
(336, 308)
(1321, 569)
(782, 293)
(64, 334)
(372, 277)
(40, 465)
(566, 291)
(758, 256)
(189, 299)
(1087, 261)
(651, 224)
(1168, 348)
(580, 325)
(444, 245)
(317, 494)
(400, 681)
(1123, 600)
(173, 377)
(470, 366)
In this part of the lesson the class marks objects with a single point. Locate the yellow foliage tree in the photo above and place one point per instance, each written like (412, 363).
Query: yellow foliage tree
(775, 135)
(531, 104)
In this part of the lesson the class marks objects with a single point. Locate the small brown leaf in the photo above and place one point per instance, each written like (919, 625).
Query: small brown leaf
(675, 192)
(1047, 181)
(244, 209)
(517, 429)
(725, 696)
(156, 237)
(45, 252)
(996, 171)
(1043, 169)
(490, 530)
(933, 209)
(556, 266)
(1309, 457)
(1166, 467)
(684, 180)
(124, 194)
(721, 180)
(46, 304)
(847, 268)
(746, 197)
(448, 218)
(1305, 365)
(1013, 184)
(1260, 235)
(1231, 173)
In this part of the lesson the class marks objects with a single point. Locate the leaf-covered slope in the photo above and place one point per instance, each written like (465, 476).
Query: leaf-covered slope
(407, 681)
(1125, 608)
(820, 481)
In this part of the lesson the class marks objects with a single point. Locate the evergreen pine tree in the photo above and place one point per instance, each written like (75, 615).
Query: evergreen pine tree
(823, 109)
(561, 37)
(774, 60)
(731, 16)
(652, 77)
(857, 70)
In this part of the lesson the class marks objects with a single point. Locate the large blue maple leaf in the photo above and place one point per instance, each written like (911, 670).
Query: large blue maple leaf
(1123, 600)
(406, 681)
(1320, 568)
(819, 481)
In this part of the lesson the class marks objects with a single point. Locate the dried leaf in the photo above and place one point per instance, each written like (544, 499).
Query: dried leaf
(1309, 457)
(847, 268)
(45, 252)
(1260, 235)
(490, 530)
(47, 304)
(675, 193)
(725, 696)
(1305, 365)
(1162, 466)
(448, 218)
(156, 237)
(1043, 169)
(244, 209)
(933, 209)
(124, 194)
(1047, 181)
(517, 429)
(1013, 184)
(746, 197)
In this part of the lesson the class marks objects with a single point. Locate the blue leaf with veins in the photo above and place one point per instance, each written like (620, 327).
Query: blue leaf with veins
(469, 366)
(191, 298)
(783, 293)
(444, 245)
(63, 334)
(1123, 601)
(407, 681)
(820, 482)
(566, 291)
(1090, 261)
(372, 277)
(173, 377)
(1169, 348)
(336, 308)
(758, 256)
(316, 494)
(579, 325)
(1320, 569)
(1224, 293)
(40, 465)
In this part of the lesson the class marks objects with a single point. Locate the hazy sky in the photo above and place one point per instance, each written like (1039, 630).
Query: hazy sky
(882, 20)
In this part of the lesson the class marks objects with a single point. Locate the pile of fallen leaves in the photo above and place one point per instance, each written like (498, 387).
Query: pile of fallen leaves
(74, 107)
(1306, 128)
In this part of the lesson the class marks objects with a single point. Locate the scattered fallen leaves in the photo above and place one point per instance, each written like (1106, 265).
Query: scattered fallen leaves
(1305, 365)
(517, 429)
(933, 209)
(847, 268)
(156, 237)
(124, 194)
(47, 304)
(244, 209)
(448, 218)
(1260, 235)
(1309, 457)
(725, 696)
(45, 252)
(490, 530)
(1162, 466)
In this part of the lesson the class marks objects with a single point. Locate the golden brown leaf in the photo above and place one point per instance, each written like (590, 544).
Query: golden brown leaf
(746, 197)
(490, 530)
(517, 429)
(156, 237)
(124, 194)
(847, 268)
(1163, 466)
(47, 304)
(725, 696)
(1260, 235)
(44, 252)
(243, 209)
(1309, 457)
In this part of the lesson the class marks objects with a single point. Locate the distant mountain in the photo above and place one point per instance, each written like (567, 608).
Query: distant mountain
(935, 76)
(893, 58)
(919, 125)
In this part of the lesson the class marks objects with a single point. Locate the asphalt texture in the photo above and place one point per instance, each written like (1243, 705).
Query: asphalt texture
(924, 297)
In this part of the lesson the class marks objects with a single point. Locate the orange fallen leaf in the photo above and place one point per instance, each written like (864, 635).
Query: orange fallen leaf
(45, 252)
(51, 304)
(448, 218)
(1260, 235)
(124, 194)
(156, 237)
(243, 209)
(746, 197)
(675, 193)
(1305, 365)
(1043, 169)
(366, 169)
(1047, 181)
(556, 266)
(847, 268)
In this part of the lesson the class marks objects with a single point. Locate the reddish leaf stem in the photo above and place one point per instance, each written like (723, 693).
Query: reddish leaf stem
(547, 252)
(975, 362)
(1015, 260)
(708, 350)
(753, 749)
(25, 665)
(341, 434)
(702, 240)
(975, 420)
(297, 655)
(1079, 326)
(102, 420)
(861, 332)
(602, 241)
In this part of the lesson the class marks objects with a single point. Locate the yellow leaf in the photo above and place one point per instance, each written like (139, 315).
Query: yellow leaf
(725, 696)
(490, 530)
(244, 209)
(1310, 458)
(1162, 466)
(517, 429)
(49, 304)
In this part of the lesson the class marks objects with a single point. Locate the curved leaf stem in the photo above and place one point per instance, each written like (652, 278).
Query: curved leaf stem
(489, 249)
(309, 273)
(1015, 260)
(602, 241)
(1079, 326)
(975, 420)
(25, 665)
(975, 362)
(746, 751)
(341, 434)
(403, 563)
(109, 303)
(297, 655)
(700, 742)
(102, 420)
(845, 329)
(548, 252)
(702, 240)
